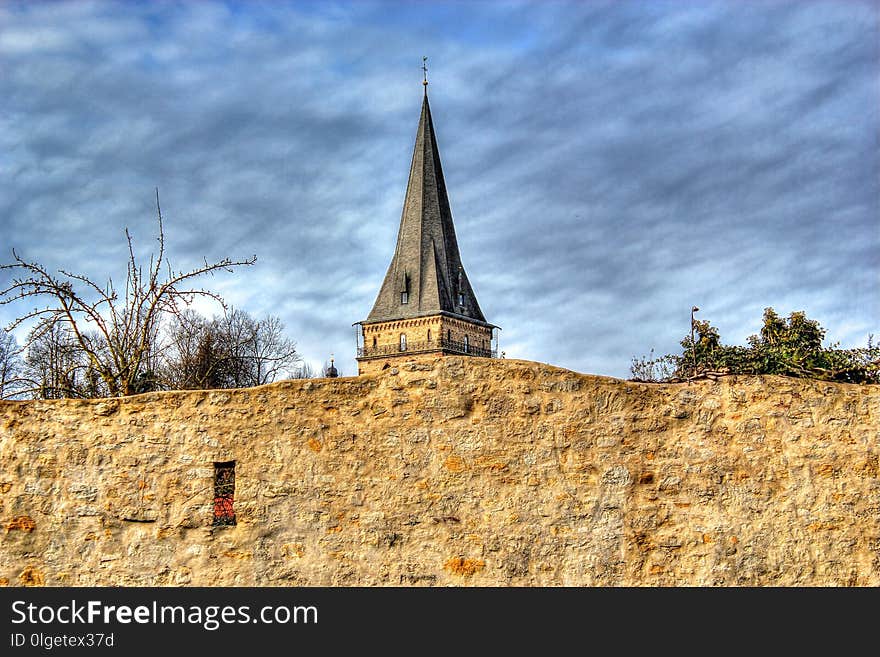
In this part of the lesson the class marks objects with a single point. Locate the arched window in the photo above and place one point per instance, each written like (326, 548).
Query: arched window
(429, 335)
(466, 343)
(403, 341)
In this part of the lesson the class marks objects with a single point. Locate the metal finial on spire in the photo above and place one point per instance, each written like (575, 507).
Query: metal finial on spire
(425, 73)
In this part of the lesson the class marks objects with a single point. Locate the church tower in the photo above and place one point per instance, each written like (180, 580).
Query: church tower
(426, 306)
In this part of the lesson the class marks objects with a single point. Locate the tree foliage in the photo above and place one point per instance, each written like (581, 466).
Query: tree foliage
(787, 346)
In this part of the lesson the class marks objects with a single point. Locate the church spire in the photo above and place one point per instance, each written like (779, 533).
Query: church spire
(426, 307)
(426, 276)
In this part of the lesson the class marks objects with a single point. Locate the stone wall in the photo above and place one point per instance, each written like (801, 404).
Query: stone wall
(457, 471)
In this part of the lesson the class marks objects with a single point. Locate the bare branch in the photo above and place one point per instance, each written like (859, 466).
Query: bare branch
(127, 334)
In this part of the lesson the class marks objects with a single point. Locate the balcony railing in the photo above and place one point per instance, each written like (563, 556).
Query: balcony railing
(429, 345)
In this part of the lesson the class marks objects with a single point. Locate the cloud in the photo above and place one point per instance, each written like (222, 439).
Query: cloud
(608, 164)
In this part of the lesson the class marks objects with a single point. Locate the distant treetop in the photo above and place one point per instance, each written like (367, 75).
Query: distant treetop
(789, 346)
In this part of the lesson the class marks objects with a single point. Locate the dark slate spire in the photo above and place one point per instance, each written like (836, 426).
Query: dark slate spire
(426, 270)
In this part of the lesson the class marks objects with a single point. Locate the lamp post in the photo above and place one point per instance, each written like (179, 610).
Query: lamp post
(693, 339)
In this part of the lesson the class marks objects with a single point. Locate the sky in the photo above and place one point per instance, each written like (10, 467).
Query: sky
(609, 164)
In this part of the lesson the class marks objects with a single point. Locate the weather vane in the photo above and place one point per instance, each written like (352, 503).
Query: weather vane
(425, 71)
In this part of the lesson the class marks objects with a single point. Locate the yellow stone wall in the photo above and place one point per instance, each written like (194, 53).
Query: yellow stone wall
(452, 471)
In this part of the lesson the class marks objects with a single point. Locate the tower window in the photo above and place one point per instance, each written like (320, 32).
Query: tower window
(404, 297)
(429, 335)
(403, 341)
(374, 341)
(466, 344)
(224, 493)
(461, 298)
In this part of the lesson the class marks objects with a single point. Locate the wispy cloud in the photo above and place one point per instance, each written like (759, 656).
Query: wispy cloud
(609, 164)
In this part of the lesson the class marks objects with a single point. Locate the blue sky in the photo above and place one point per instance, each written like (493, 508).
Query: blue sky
(609, 165)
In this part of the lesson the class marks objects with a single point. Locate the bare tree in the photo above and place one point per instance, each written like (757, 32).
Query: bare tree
(230, 351)
(188, 356)
(10, 366)
(117, 333)
(304, 371)
(272, 353)
(55, 365)
(235, 333)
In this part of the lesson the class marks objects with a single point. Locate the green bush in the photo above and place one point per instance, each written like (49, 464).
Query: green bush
(789, 346)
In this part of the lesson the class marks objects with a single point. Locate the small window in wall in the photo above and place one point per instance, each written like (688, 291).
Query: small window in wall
(404, 297)
(403, 341)
(461, 298)
(374, 341)
(429, 335)
(466, 344)
(224, 493)
(449, 334)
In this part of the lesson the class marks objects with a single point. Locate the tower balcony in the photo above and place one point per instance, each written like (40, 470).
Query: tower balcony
(446, 345)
